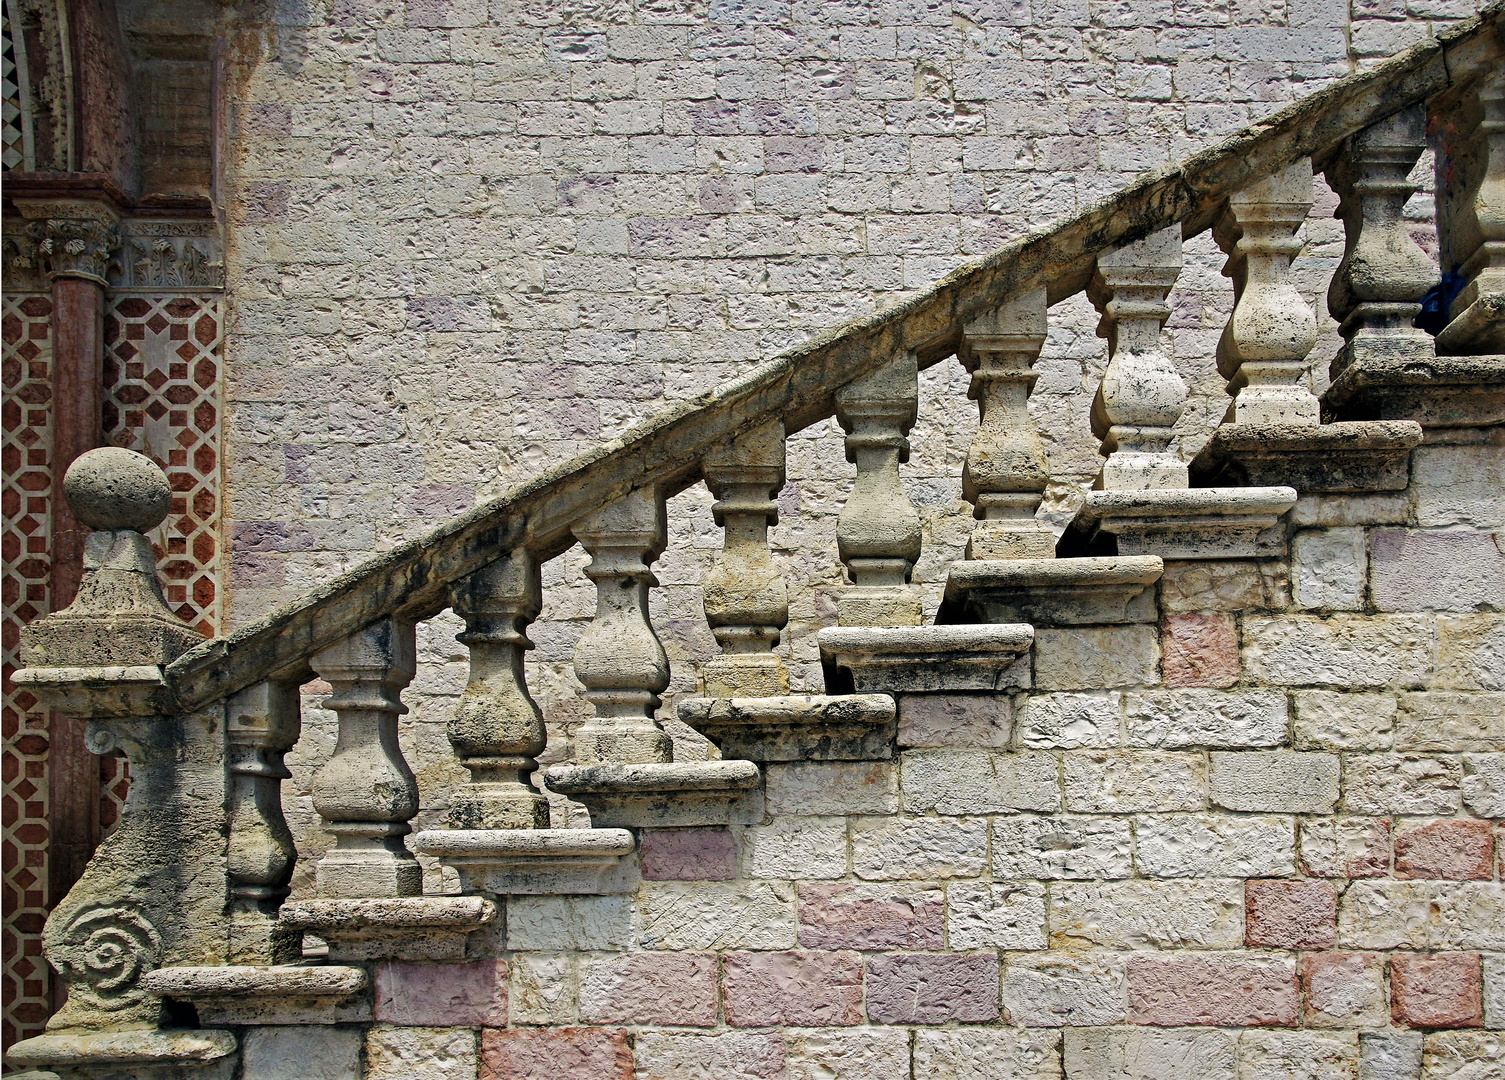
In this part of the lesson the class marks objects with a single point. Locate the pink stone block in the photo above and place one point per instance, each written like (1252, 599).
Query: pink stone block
(650, 988)
(1290, 914)
(1222, 991)
(1343, 989)
(800, 989)
(572, 1053)
(443, 995)
(1199, 650)
(1438, 990)
(688, 855)
(1455, 850)
(871, 917)
(920, 988)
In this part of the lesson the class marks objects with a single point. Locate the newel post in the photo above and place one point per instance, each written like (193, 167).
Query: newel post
(156, 891)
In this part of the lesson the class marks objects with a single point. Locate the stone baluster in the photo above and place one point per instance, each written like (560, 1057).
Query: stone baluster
(1142, 395)
(1006, 471)
(619, 659)
(497, 730)
(878, 530)
(1377, 289)
(746, 602)
(1263, 350)
(261, 724)
(1471, 221)
(365, 792)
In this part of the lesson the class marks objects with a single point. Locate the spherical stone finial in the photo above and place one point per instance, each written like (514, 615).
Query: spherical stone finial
(112, 488)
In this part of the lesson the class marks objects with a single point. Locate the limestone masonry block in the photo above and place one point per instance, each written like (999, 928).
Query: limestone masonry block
(1435, 990)
(688, 854)
(796, 848)
(1341, 651)
(1422, 915)
(1328, 569)
(1327, 720)
(544, 989)
(1455, 850)
(1096, 657)
(649, 988)
(586, 923)
(975, 1053)
(932, 988)
(663, 1056)
(1070, 721)
(1484, 784)
(1118, 783)
(1061, 846)
(401, 1053)
(1494, 991)
(1351, 847)
(1169, 719)
(1390, 1055)
(801, 989)
(743, 915)
(1402, 784)
(978, 781)
(1285, 914)
(859, 1053)
(1147, 914)
(1200, 649)
(1275, 781)
(581, 1053)
(1343, 989)
(995, 915)
(1206, 845)
(1150, 1054)
(960, 720)
(1312, 1055)
(1448, 721)
(872, 917)
(1225, 990)
(1050, 989)
(833, 787)
(443, 995)
(1471, 652)
(1454, 1055)
(889, 849)
(1458, 485)
(1223, 585)
(1416, 570)
(301, 1053)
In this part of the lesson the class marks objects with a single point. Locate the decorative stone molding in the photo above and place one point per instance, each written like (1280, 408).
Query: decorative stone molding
(746, 602)
(1201, 523)
(1142, 395)
(849, 727)
(878, 530)
(1055, 592)
(1471, 220)
(1348, 457)
(1006, 472)
(398, 928)
(281, 994)
(536, 861)
(496, 729)
(141, 1054)
(365, 793)
(664, 793)
(926, 659)
(70, 237)
(168, 256)
(1263, 350)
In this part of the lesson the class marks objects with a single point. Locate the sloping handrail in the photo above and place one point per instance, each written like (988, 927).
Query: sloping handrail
(412, 580)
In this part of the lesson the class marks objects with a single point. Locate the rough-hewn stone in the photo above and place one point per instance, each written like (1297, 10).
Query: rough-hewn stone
(1147, 914)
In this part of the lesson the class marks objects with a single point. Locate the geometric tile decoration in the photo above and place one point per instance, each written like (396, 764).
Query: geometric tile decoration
(27, 528)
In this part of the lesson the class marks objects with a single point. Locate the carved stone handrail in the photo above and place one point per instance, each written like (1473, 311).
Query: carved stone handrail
(799, 387)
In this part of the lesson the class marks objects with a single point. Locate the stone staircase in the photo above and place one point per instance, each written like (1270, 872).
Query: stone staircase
(185, 902)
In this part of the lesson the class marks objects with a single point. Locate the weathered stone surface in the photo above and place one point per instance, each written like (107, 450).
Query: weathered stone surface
(586, 923)
(751, 915)
(847, 1054)
(1231, 989)
(1342, 651)
(1052, 989)
(1109, 783)
(1150, 1054)
(688, 854)
(1297, 1055)
(932, 988)
(1283, 914)
(802, 989)
(1458, 485)
(1327, 720)
(845, 787)
(1351, 847)
(920, 659)
(1207, 845)
(404, 927)
(301, 1053)
(1462, 1055)
(1422, 915)
(805, 727)
(585, 1053)
(978, 781)
(1069, 721)
(1417, 570)
(1494, 991)
(957, 720)
(1328, 569)
(1484, 784)
(985, 1053)
(514, 861)
(443, 995)
(889, 849)
(1401, 784)
(1471, 652)
(1148, 915)
(995, 915)
(1449, 721)
(740, 1054)
(1343, 989)
(1181, 523)
(1390, 1055)
(649, 988)
(1223, 585)
(544, 989)
(1275, 781)
(796, 848)
(1061, 846)
(1232, 719)
(872, 917)
(110, 489)
(1199, 649)
(1455, 850)
(1097, 657)
(1436, 990)
(406, 1053)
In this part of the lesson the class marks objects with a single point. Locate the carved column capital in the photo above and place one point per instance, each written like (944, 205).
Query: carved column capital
(72, 238)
